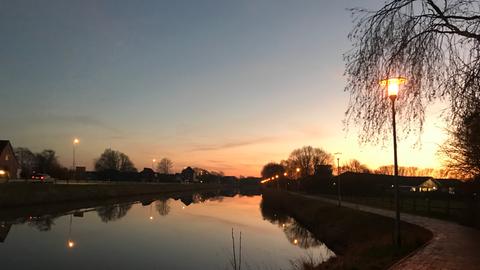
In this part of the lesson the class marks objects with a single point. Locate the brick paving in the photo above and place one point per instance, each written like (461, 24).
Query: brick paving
(453, 246)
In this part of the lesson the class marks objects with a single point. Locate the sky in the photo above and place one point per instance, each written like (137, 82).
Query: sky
(223, 85)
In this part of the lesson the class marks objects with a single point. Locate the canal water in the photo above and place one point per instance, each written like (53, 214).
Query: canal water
(187, 231)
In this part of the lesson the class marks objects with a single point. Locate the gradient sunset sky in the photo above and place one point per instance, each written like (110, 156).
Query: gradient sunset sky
(223, 85)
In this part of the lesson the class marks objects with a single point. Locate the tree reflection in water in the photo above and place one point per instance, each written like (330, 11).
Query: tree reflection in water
(113, 212)
(298, 235)
(163, 207)
(294, 231)
(43, 223)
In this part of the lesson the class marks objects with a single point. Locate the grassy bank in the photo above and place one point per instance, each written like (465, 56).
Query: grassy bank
(26, 194)
(360, 240)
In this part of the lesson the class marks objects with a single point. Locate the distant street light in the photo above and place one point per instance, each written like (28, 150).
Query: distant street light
(298, 179)
(75, 142)
(338, 179)
(393, 86)
(153, 163)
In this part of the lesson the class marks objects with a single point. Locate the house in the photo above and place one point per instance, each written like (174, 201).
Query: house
(8, 163)
(450, 186)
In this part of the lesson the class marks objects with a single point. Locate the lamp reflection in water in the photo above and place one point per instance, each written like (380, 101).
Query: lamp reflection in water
(70, 242)
(151, 216)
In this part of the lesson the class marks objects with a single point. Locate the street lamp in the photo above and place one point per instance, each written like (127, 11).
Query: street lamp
(298, 179)
(338, 178)
(393, 85)
(75, 142)
(153, 163)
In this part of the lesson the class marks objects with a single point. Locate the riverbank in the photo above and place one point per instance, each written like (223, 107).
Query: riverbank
(360, 240)
(28, 194)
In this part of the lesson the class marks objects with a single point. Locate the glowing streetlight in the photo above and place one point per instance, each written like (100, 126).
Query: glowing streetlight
(393, 86)
(2, 172)
(285, 174)
(153, 163)
(75, 142)
(297, 177)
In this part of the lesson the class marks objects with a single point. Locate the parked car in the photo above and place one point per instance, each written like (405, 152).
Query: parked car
(42, 178)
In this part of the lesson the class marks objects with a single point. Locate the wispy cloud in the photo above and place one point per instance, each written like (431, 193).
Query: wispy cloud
(233, 144)
(73, 120)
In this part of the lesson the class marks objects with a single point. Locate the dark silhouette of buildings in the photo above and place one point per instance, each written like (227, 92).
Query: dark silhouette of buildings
(8, 162)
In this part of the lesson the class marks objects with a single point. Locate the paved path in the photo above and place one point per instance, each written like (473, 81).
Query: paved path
(453, 246)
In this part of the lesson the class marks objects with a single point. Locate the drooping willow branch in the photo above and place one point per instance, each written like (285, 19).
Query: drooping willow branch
(434, 44)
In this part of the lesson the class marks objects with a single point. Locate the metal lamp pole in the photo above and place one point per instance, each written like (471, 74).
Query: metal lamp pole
(338, 179)
(393, 85)
(395, 166)
(75, 142)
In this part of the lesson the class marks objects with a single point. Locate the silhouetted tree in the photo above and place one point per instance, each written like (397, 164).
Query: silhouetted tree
(386, 169)
(463, 148)
(272, 169)
(47, 162)
(27, 160)
(163, 207)
(308, 158)
(355, 166)
(165, 166)
(111, 160)
(188, 174)
(434, 44)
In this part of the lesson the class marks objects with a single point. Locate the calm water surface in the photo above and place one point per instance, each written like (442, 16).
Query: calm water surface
(189, 232)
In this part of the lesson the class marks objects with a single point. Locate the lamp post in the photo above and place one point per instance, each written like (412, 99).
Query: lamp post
(338, 179)
(153, 164)
(393, 85)
(75, 142)
(298, 179)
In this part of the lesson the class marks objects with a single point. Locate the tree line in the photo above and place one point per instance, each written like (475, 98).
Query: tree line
(307, 160)
(110, 161)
